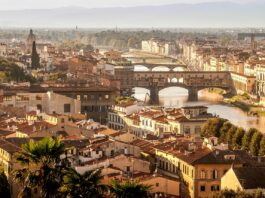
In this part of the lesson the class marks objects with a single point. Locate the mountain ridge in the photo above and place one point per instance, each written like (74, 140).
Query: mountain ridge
(213, 14)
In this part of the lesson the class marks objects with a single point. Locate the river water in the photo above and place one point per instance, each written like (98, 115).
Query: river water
(177, 97)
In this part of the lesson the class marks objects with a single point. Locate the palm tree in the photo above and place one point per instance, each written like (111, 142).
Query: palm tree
(42, 167)
(77, 185)
(129, 189)
(4, 185)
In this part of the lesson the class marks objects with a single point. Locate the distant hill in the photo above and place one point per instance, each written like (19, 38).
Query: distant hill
(222, 14)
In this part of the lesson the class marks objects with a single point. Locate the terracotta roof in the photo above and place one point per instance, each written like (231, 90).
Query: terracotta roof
(251, 177)
(36, 126)
(204, 155)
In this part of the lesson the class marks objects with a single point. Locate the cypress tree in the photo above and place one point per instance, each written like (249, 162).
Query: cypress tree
(35, 59)
(255, 143)
(262, 146)
(247, 138)
(237, 138)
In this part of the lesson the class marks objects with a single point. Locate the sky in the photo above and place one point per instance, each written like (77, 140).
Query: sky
(42, 4)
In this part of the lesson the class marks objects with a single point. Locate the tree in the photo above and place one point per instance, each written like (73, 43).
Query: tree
(224, 129)
(212, 127)
(230, 134)
(35, 59)
(247, 138)
(129, 189)
(255, 143)
(77, 185)
(238, 194)
(237, 138)
(4, 185)
(262, 146)
(42, 167)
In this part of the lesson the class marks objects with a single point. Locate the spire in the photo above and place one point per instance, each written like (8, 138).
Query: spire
(35, 59)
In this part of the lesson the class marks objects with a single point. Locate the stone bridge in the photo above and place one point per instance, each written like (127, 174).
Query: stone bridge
(193, 81)
(151, 66)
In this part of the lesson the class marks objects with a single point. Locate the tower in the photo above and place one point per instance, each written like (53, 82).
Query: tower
(31, 38)
(35, 59)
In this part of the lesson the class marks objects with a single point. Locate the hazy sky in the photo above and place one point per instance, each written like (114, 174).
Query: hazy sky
(36, 4)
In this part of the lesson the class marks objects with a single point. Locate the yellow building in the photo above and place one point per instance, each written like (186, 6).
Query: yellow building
(200, 168)
(246, 179)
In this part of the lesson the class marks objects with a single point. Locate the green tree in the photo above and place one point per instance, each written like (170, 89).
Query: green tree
(238, 137)
(212, 127)
(9, 71)
(247, 138)
(236, 194)
(230, 134)
(224, 130)
(77, 185)
(129, 189)
(42, 167)
(35, 59)
(4, 185)
(262, 146)
(255, 143)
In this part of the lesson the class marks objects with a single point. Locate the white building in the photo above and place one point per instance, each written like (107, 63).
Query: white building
(120, 111)
(48, 102)
(159, 46)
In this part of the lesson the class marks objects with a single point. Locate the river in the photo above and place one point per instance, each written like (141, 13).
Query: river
(177, 97)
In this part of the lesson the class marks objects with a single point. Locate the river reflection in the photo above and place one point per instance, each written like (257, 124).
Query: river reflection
(177, 97)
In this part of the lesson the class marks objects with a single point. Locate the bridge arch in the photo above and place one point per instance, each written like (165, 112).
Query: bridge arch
(160, 68)
(141, 68)
(178, 68)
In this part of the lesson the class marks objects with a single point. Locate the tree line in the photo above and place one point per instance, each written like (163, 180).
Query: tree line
(250, 140)
(239, 194)
(12, 72)
(44, 171)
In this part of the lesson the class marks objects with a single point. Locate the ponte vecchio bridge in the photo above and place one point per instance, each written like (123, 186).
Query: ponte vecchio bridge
(155, 81)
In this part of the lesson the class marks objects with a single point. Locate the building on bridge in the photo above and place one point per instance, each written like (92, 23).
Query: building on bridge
(155, 81)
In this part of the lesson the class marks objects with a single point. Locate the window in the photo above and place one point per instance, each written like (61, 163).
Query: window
(67, 108)
(62, 120)
(106, 96)
(157, 184)
(215, 188)
(214, 174)
(38, 98)
(203, 174)
(78, 97)
(7, 98)
(85, 97)
(202, 188)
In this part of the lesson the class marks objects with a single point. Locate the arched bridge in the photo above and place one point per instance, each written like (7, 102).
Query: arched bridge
(151, 66)
(193, 81)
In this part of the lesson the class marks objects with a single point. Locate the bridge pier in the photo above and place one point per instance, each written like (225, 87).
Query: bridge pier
(193, 94)
(154, 96)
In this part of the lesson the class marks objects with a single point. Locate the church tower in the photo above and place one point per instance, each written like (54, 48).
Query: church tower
(31, 38)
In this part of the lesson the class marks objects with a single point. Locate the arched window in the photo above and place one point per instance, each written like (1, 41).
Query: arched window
(203, 174)
(215, 174)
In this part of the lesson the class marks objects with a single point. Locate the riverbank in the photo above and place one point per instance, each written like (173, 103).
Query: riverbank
(242, 101)
(245, 103)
